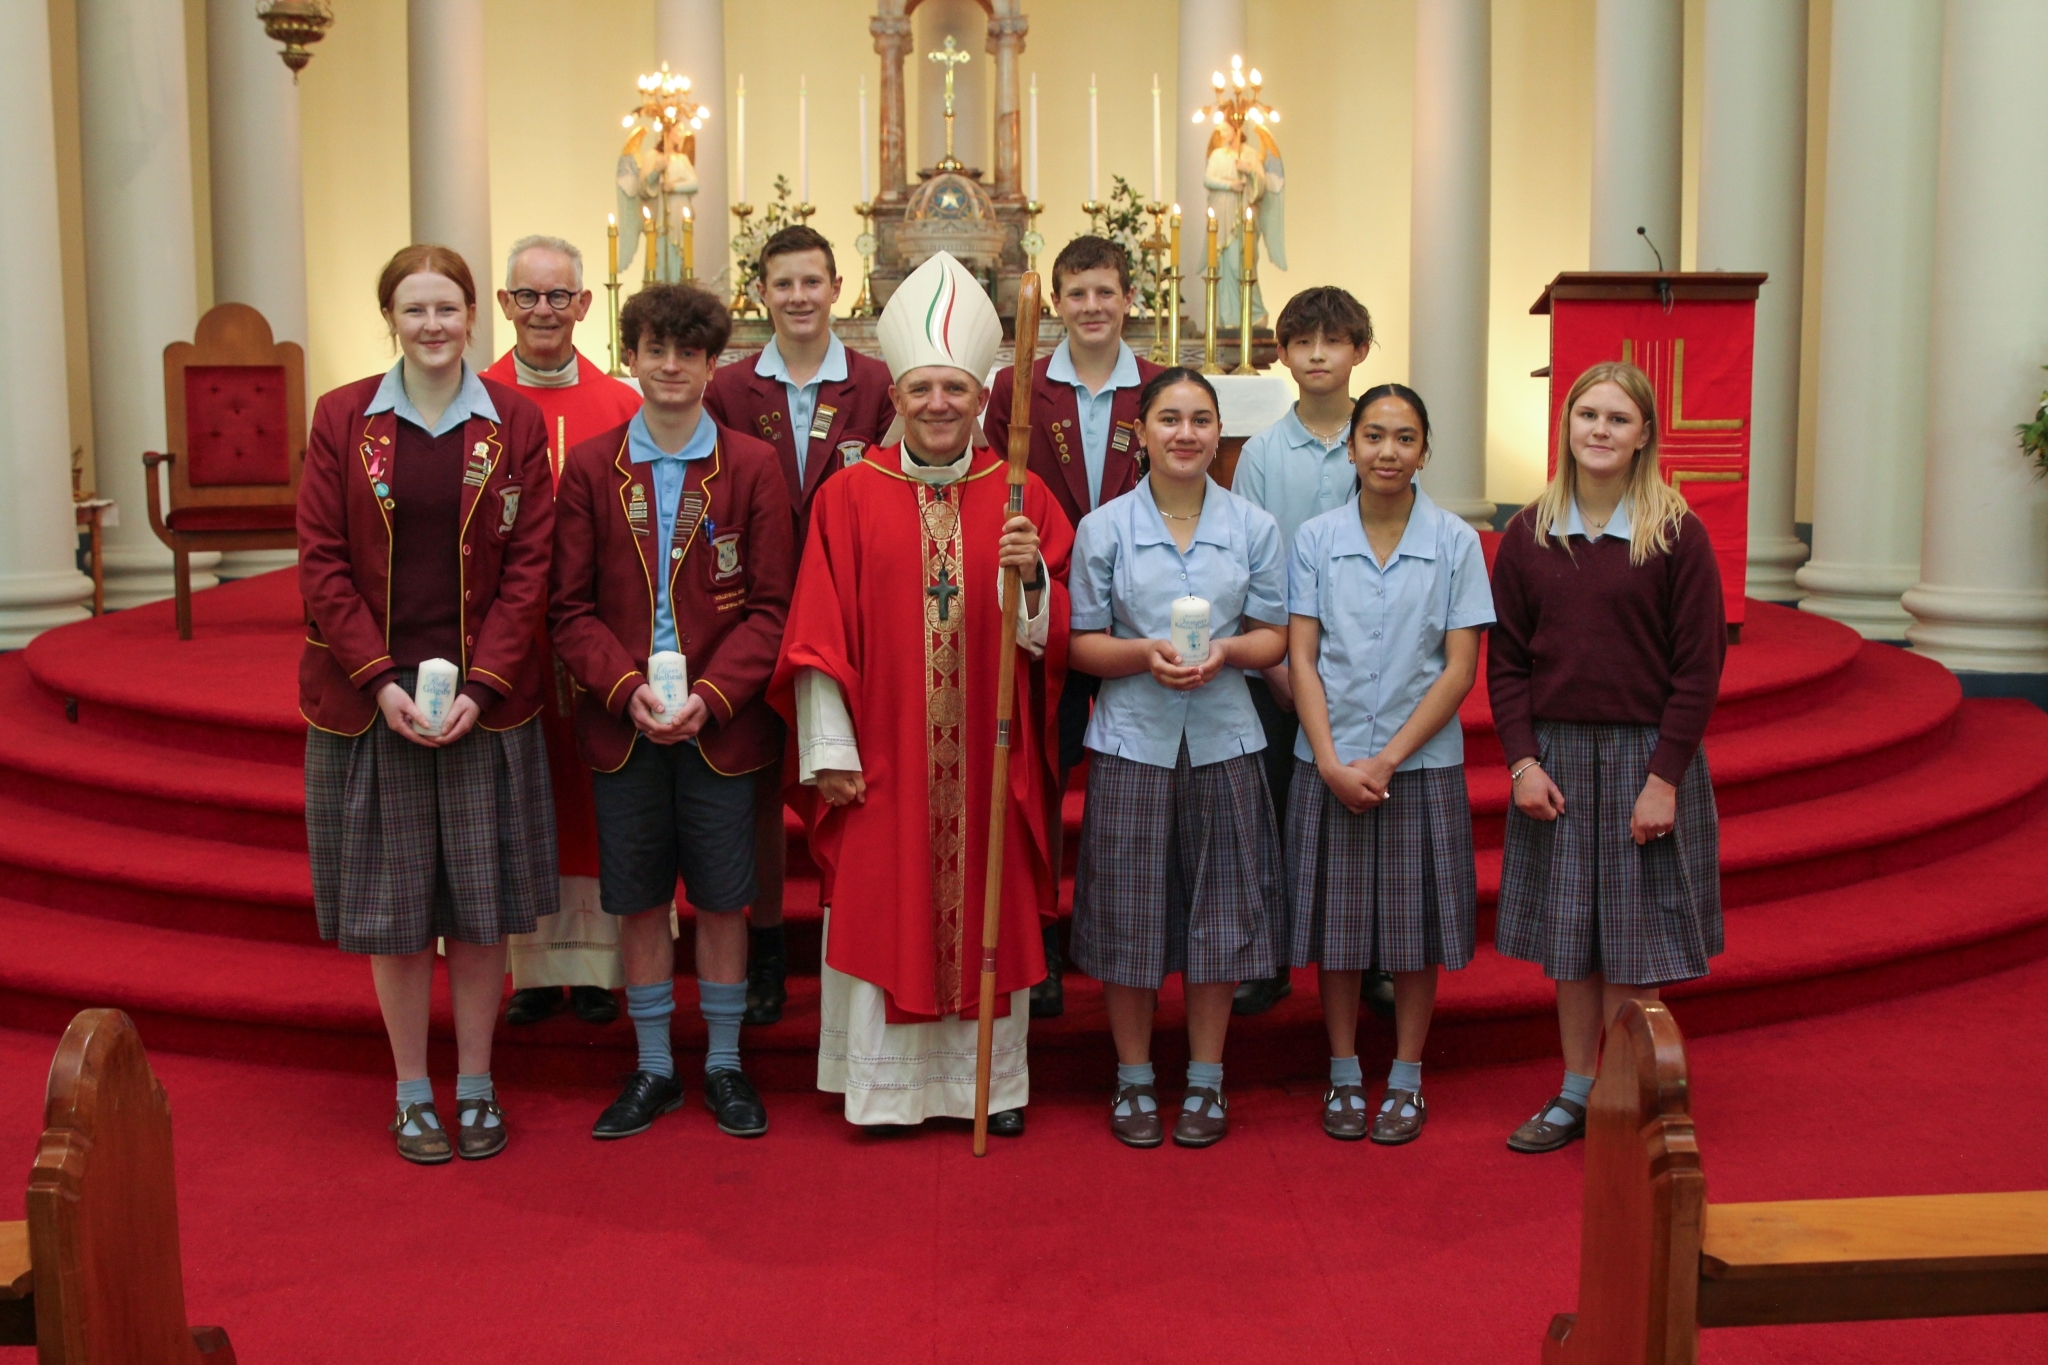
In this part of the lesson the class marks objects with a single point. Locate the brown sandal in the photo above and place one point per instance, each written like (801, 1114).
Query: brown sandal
(430, 1147)
(1343, 1122)
(1137, 1128)
(472, 1139)
(1389, 1128)
(1540, 1135)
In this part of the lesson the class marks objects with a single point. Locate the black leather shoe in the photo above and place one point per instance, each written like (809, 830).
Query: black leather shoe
(731, 1098)
(1376, 989)
(767, 973)
(1049, 997)
(645, 1096)
(593, 1004)
(1007, 1123)
(533, 1004)
(1256, 997)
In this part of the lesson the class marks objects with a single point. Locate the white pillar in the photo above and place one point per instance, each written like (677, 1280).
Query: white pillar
(1210, 32)
(1876, 278)
(142, 291)
(690, 36)
(1982, 599)
(1638, 117)
(40, 585)
(1448, 245)
(1752, 216)
(259, 219)
(450, 145)
(967, 25)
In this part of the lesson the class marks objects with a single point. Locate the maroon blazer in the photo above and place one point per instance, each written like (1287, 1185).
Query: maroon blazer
(729, 583)
(860, 413)
(508, 531)
(1056, 435)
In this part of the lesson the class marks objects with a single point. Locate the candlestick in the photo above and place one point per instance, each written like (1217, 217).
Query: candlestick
(1157, 192)
(803, 139)
(1032, 242)
(1154, 248)
(740, 142)
(864, 306)
(647, 246)
(866, 193)
(1212, 239)
(611, 289)
(742, 302)
(661, 235)
(1248, 279)
(1209, 278)
(1094, 209)
(1173, 290)
(689, 245)
(1094, 147)
(1031, 189)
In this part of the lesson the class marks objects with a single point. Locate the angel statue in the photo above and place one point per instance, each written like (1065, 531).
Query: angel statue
(658, 167)
(1244, 171)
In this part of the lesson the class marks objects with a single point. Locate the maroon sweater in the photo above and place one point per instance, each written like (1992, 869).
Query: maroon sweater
(1584, 636)
(426, 554)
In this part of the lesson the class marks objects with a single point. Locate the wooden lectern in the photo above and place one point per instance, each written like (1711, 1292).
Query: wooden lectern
(1694, 334)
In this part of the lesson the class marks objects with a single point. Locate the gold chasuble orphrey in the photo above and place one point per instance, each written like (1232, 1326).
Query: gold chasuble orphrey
(945, 673)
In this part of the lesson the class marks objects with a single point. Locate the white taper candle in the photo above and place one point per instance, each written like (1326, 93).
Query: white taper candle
(1157, 183)
(803, 140)
(1094, 157)
(740, 140)
(1031, 191)
(864, 185)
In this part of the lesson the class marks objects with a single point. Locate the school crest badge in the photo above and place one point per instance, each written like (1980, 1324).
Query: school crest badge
(508, 510)
(850, 452)
(727, 549)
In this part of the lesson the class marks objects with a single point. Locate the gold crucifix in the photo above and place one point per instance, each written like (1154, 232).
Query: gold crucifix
(950, 56)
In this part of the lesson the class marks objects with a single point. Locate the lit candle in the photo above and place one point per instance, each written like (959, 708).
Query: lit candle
(1094, 157)
(1031, 192)
(1173, 256)
(1212, 239)
(1156, 190)
(865, 198)
(803, 140)
(611, 231)
(740, 140)
(689, 244)
(647, 232)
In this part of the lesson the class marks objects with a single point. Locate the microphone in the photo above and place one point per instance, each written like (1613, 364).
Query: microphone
(1663, 286)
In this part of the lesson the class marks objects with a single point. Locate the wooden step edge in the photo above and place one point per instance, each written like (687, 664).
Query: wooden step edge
(17, 1275)
(1900, 1234)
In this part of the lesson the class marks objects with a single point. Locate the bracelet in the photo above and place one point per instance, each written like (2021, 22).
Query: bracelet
(1516, 775)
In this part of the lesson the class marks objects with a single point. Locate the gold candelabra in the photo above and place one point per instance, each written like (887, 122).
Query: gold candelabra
(1172, 283)
(864, 306)
(1155, 248)
(742, 302)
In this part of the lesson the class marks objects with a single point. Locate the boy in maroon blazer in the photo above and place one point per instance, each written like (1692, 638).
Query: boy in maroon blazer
(1084, 445)
(675, 534)
(821, 406)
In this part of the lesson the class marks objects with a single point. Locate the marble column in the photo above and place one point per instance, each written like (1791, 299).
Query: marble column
(259, 220)
(1638, 116)
(1448, 244)
(1982, 599)
(1752, 216)
(1006, 30)
(142, 290)
(40, 585)
(450, 145)
(1210, 32)
(892, 42)
(690, 36)
(1876, 282)
(968, 26)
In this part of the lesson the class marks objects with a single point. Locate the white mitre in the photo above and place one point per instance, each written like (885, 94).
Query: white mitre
(939, 315)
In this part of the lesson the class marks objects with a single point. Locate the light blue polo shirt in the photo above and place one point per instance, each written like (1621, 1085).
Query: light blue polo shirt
(1126, 573)
(471, 400)
(668, 472)
(1292, 473)
(1095, 408)
(802, 398)
(1383, 628)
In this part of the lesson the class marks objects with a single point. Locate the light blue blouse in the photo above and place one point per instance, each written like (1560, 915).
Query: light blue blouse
(1127, 571)
(1383, 628)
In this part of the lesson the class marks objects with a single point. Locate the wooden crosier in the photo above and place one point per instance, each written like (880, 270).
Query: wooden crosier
(1006, 705)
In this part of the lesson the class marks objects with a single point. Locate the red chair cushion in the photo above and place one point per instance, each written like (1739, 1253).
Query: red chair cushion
(235, 426)
(277, 516)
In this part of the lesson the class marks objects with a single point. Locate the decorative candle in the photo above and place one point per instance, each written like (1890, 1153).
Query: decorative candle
(1191, 629)
(1157, 192)
(1031, 190)
(1173, 250)
(434, 693)
(689, 244)
(647, 232)
(668, 673)
(865, 197)
(803, 140)
(740, 140)
(1212, 239)
(611, 232)
(1094, 156)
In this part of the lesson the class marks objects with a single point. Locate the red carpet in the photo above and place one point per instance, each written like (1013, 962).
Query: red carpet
(1878, 834)
(312, 1243)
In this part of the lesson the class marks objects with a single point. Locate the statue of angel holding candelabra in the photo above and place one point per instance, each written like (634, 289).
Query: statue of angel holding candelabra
(1245, 177)
(658, 167)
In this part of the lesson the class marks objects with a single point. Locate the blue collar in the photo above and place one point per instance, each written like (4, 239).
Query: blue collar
(1060, 369)
(1617, 525)
(1419, 540)
(471, 400)
(1150, 526)
(641, 449)
(770, 365)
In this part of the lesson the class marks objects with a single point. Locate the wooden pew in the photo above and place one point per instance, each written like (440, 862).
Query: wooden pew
(93, 1277)
(1657, 1262)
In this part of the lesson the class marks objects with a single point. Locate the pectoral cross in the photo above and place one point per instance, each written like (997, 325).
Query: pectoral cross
(951, 56)
(944, 591)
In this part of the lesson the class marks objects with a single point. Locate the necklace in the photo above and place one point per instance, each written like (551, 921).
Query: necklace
(1176, 516)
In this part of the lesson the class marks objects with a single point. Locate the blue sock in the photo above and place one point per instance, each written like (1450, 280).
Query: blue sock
(420, 1091)
(1345, 1071)
(1141, 1074)
(649, 1007)
(722, 1004)
(477, 1087)
(1208, 1075)
(1578, 1089)
(1403, 1076)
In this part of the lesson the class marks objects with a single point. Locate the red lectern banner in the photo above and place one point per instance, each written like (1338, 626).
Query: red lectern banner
(1694, 335)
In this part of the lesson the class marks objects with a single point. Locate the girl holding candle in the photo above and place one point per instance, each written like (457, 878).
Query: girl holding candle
(1603, 670)
(1180, 858)
(1387, 595)
(426, 520)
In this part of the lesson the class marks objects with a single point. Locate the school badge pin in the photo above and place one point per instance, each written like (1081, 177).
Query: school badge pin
(821, 422)
(1121, 442)
(636, 509)
(850, 452)
(508, 510)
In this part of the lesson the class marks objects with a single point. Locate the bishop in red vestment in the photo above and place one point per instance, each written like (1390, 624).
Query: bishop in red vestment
(888, 673)
(544, 298)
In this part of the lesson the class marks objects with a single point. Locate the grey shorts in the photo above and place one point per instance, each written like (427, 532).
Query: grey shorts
(666, 813)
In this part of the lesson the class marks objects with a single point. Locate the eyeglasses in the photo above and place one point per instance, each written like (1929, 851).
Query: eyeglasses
(558, 299)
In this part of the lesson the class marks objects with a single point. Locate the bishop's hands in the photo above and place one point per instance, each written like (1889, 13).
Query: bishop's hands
(842, 787)
(645, 710)
(405, 718)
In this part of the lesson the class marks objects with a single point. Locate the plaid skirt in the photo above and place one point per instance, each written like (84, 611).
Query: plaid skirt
(1578, 895)
(1179, 872)
(410, 844)
(1392, 887)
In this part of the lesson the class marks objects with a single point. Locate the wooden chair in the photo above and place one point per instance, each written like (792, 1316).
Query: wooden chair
(93, 1276)
(235, 420)
(1657, 1262)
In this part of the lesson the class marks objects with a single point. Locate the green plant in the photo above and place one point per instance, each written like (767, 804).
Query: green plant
(2034, 437)
(1125, 222)
(746, 245)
